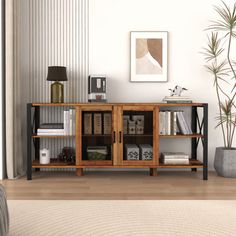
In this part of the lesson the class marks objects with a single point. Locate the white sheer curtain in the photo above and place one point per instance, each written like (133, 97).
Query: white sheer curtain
(14, 102)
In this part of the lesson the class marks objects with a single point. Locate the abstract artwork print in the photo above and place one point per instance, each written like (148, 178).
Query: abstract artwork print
(149, 56)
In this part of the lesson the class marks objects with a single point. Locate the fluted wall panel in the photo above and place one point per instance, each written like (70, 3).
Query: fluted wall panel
(58, 35)
(50, 33)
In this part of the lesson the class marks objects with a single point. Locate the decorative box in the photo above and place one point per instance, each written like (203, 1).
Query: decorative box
(131, 127)
(107, 123)
(126, 117)
(97, 152)
(138, 118)
(125, 126)
(146, 152)
(131, 152)
(87, 123)
(139, 129)
(97, 123)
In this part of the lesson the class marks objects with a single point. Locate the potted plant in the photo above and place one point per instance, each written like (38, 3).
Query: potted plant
(220, 64)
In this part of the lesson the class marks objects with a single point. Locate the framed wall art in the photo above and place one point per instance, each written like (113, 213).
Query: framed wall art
(149, 56)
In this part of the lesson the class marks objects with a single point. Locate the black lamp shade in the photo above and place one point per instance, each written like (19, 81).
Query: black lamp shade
(57, 73)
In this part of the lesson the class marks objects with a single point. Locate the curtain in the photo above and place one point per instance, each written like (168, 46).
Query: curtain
(14, 104)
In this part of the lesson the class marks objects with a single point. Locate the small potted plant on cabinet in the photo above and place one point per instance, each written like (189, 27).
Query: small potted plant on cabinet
(223, 68)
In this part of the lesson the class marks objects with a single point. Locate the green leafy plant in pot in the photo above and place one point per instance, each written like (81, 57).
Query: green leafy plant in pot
(220, 64)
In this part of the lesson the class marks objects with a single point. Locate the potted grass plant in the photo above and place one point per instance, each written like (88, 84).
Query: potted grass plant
(220, 63)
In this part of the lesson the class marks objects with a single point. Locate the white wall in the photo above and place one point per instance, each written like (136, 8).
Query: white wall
(110, 24)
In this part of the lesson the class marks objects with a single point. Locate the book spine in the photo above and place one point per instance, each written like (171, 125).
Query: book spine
(167, 122)
(74, 122)
(187, 125)
(173, 123)
(51, 133)
(187, 128)
(181, 123)
(87, 123)
(175, 156)
(180, 101)
(161, 123)
(176, 161)
(50, 130)
(66, 122)
(71, 121)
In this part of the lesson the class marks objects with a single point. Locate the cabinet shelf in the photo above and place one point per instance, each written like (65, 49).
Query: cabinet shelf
(181, 136)
(96, 135)
(193, 164)
(138, 135)
(52, 136)
(53, 164)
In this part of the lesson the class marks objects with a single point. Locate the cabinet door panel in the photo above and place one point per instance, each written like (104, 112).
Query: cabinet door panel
(138, 135)
(96, 135)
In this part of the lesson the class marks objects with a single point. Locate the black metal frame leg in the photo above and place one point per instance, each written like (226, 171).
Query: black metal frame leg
(205, 142)
(29, 140)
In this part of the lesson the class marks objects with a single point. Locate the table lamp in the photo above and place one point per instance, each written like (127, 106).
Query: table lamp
(57, 74)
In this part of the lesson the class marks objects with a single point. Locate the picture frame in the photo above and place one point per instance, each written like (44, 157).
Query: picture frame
(149, 56)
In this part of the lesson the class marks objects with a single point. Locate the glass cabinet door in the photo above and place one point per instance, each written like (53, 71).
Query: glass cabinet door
(97, 138)
(138, 135)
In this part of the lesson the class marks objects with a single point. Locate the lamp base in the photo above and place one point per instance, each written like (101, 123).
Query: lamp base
(57, 92)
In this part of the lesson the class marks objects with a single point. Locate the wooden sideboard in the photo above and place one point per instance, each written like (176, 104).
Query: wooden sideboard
(117, 139)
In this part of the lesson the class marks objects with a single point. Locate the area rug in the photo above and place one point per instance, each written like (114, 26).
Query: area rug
(118, 218)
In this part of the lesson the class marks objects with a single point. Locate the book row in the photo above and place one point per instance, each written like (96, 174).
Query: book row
(97, 123)
(173, 122)
(65, 128)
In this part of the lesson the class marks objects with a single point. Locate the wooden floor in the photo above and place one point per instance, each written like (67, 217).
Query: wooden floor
(121, 185)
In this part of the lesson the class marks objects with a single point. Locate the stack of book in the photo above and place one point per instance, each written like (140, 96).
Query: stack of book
(65, 128)
(51, 129)
(177, 99)
(173, 122)
(174, 158)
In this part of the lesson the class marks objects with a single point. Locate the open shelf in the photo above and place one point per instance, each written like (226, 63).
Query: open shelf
(95, 163)
(182, 136)
(193, 164)
(52, 136)
(53, 164)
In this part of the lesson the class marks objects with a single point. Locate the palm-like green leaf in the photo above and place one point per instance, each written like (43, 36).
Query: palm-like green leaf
(217, 69)
(227, 107)
(213, 49)
(225, 120)
(227, 21)
(227, 115)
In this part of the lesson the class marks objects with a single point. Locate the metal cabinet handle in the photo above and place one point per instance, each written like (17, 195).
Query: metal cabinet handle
(120, 137)
(114, 137)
